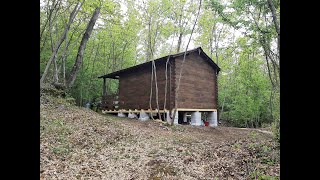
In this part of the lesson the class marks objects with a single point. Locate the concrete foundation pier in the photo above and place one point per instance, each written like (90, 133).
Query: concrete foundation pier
(213, 119)
(175, 119)
(143, 116)
(132, 115)
(196, 118)
(120, 114)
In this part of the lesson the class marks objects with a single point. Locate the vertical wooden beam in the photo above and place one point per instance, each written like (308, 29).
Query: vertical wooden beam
(104, 87)
(216, 92)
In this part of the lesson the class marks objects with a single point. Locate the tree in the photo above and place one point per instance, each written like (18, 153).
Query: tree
(60, 41)
(82, 47)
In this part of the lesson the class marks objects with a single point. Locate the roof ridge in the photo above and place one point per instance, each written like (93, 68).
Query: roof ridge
(173, 55)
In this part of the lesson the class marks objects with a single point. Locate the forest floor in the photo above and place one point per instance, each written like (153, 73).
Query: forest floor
(78, 143)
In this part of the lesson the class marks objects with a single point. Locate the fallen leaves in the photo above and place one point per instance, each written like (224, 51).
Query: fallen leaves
(77, 143)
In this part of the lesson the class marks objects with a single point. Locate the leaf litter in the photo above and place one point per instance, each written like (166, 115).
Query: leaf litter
(78, 143)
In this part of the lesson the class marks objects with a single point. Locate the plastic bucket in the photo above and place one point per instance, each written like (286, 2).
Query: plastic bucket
(206, 123)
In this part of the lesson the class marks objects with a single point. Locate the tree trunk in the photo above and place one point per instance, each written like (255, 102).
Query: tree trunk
(156, 83)
(222, 108)
(148, 41)
(64, 71)
(181, 28)
(64, 56)
(270, 103)
(267, 56)
(184, 58)
(179, 42)
(94, 61)
(49, 15)
(55, 71)
(211, 41)
(60, 41)
(82, 47)
(65, 53)
(275, 21)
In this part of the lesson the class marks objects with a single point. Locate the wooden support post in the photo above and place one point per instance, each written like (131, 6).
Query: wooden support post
(104, 87)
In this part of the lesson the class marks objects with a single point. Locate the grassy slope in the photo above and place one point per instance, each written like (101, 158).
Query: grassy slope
(77, 143)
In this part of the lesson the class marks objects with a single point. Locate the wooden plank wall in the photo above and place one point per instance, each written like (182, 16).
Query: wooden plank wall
(198, 85)
(134, 88)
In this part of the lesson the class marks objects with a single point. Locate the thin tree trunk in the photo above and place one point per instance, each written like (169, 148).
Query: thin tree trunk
(66, 53)
(222, 108)
(266, 47)
(113, 57)
(166, 75)
(49, 13)
(148, 54)
(64, 61)
(150, 98)
(54, 54)
(44, 43)
(270, 103)
(55, 63)
(55, 71)
(269, 73)
(56, 30)
(275, 21)
(82, 47)
(150, 46)
(217, 39)
(184, 58)
(48, 17)
(156, 83)
(64, 71)
(94, 61)
(211, 41)
(51, 37)
(179, 42)
(274, 84)
(181, 28)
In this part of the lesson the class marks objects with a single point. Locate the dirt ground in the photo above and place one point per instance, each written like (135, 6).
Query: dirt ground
(78, 143)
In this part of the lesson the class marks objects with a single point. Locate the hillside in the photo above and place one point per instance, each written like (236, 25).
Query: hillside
(77, 143)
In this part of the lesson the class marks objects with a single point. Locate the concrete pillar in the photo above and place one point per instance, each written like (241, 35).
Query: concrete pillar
(121, 114)
(185, 117)
(132, 115)
(143, 116)
(175, 119)
(213, 119)
(167, 117)
(196, 118)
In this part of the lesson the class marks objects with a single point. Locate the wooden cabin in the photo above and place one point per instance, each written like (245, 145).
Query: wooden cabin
(198, 91)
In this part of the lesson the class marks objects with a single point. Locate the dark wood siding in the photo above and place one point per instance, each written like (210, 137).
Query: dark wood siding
(198, 88)
(134, 88)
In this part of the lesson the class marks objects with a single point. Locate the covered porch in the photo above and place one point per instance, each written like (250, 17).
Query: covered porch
(110, 100)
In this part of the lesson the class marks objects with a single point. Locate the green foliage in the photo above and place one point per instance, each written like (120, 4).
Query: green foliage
(232, 33)
(276, 129)
(260, 176)
(246, 97)
(246, 94)
(253, 135)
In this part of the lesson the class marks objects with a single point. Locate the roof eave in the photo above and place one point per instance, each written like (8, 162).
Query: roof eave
(117, 73)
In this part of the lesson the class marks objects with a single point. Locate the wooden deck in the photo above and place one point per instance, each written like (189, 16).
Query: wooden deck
(156, 111)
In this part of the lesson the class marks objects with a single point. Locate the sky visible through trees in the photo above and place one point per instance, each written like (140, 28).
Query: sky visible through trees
(241, 36)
